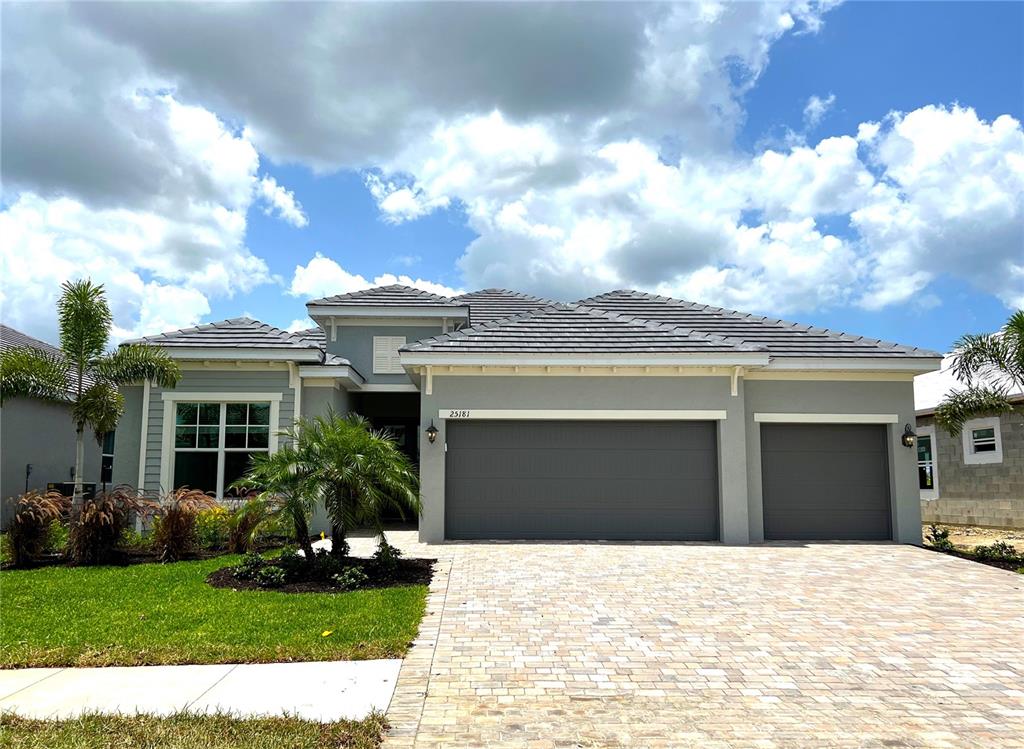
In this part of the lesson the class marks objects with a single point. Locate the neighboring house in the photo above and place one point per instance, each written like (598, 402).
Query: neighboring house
(976, 477)
(623, 416)
(41, 434)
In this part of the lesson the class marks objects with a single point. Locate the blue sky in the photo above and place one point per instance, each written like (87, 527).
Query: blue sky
(446, 167)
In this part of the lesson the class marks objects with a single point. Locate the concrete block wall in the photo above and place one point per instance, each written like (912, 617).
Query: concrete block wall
(991, 494)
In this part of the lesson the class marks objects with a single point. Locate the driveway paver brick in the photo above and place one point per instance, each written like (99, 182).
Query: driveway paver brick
(776, 645)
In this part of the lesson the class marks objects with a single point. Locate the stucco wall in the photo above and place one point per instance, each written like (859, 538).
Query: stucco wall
(987, 494)
(738, 435)
(355, 343)
(41, 434)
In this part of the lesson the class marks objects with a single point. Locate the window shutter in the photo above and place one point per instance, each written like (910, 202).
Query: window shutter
(385, 354)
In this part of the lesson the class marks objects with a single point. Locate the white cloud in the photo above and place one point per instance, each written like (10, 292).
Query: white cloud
(281, 201)
(304, 323)
(816, 108)
(322, 276)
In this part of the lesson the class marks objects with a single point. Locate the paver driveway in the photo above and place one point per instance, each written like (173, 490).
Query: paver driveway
(564, 645)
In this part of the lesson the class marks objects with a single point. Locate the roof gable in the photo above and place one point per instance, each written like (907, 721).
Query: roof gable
(496, 304)
(779, 337)
(238, 332)
(395, 294)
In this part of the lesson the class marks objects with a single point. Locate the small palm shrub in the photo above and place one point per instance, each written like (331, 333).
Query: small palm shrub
(96, 533)
(174, 537)
(30, 532)
(351, 578)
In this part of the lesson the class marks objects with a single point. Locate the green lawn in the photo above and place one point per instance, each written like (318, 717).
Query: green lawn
(188, 732)
(163, 614)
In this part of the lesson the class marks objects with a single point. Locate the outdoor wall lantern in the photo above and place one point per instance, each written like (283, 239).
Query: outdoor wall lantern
(431, 432)
(908, 436)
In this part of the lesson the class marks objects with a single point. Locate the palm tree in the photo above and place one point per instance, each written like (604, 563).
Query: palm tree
(85, 375)
(989, 365)
(286, 480)
(361, 473)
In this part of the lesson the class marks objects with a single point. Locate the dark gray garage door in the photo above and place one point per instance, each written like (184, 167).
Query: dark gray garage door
(825, 481)
(581, 480)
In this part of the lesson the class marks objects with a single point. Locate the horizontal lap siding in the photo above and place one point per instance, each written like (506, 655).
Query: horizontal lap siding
(214, 381)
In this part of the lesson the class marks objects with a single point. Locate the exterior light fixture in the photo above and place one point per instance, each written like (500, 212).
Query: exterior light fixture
(908, 436)
(431, 432)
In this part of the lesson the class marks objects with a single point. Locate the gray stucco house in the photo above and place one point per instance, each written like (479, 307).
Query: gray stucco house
(41, 435)
(621, 416)
(977, 476)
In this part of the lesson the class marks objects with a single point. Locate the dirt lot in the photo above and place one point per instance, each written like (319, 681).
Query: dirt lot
(969, 536)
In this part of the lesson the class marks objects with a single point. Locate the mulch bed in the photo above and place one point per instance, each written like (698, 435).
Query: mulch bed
(407, 572)
(1003, 564)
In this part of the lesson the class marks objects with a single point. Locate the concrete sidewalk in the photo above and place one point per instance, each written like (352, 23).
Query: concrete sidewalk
(318, 691)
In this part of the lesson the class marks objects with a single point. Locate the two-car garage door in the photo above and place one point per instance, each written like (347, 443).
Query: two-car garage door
(581, 480)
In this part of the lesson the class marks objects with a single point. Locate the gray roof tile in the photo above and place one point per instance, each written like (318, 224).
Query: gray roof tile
(778, 337)
(11, 338)
(574, 328)
(238, 332)
(496, 304)
(395, 294)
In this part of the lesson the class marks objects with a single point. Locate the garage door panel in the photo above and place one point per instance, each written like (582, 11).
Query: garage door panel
(825, 482)
(586, 480)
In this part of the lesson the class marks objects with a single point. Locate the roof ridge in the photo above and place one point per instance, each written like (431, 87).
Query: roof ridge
(736, 314)
(252, 323)
(362, 293)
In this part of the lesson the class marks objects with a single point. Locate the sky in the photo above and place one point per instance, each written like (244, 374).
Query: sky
(858, 166)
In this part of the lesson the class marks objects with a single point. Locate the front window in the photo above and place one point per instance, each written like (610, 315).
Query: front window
(982, 441)
(107, 459)
(925, 463)
(214, 442)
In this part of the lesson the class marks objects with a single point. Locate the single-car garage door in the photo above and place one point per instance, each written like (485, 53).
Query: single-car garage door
(825, 482)
(581, 480)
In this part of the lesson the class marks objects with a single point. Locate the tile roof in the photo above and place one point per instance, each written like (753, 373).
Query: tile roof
(574, 328)
(495, 304)
(238, 332)
(778, 337)
(11, 338)
(395, 294)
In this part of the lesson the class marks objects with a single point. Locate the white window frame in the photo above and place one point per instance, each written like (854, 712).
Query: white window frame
(385, 354)
(929, 432)
(972, 458)
(170, 404)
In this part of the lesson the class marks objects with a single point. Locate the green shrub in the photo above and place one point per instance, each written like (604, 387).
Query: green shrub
(250, 566)
(293, 563)
(212, 528)
(939, 538)
(30, 533)
(386, 557)
(270, 577)
(998, 551)
(323, 565)
(57, 537)
(133, 540)
(351, 578)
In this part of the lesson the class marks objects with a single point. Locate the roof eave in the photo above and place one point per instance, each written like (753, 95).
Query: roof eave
(387, 310)
(229, 353)
(891, 363)
(564, 359)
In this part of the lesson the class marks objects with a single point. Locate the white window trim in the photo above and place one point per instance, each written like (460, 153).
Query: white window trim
(385, 348)
(972, 458)
(932, 493)
(167, 449)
